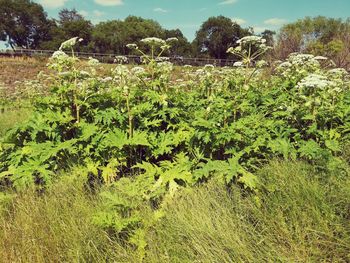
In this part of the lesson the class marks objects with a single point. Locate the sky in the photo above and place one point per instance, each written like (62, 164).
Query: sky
(188, 15)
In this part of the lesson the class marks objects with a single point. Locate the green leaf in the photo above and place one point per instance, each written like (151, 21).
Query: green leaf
(139, 138)
(248, 179)
(310, 149)
(117, 138)
(284, 147)
(333, 145)
(87, 130)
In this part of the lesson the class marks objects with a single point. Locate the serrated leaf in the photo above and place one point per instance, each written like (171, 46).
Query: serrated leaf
(333, 145)
(139, 138)
(248, 180)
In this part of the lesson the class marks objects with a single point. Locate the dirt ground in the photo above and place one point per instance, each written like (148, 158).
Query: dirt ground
(16, 70)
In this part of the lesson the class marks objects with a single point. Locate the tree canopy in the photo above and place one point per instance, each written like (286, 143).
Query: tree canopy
(23, 23)
(113, 36)
(216, 35)
(319, 36)
(70, 24)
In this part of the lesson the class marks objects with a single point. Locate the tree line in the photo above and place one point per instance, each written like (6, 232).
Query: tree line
(25, 24)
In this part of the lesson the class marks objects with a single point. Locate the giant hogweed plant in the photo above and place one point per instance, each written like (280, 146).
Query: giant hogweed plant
(249, 50)
(146, 135)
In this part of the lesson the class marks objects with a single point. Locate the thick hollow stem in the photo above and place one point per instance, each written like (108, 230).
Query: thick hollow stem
(129, 117)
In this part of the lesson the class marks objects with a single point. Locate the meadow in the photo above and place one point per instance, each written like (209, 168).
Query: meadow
(157, 163)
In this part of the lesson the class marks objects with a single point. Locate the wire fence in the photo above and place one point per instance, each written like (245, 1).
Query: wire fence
(109, 58)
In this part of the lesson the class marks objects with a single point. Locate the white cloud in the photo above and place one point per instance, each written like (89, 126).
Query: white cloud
(98, 13)
(83, 13)
(228, 2)
(275, 21)
(258, 29)
(160, 10)
(95, 13)
(239, 21)
(109, 2)
(52, 3)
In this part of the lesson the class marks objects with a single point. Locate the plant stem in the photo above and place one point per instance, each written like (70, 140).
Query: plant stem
(129, 117)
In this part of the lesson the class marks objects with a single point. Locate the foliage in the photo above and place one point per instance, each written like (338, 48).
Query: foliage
(148, 135)
(294, 218)
(69, 24)
(23, 23)
(319, 36)
(299, 215)
(56, 226)
(9, 118)
(216, 35)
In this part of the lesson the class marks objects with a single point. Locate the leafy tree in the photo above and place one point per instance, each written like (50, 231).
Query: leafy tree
(70, 24)
(73, 24)
(137, 28)
(23, 23)
(113, 36)
(216, 35)
(319, 35)
(182, 46)
(268, 35)
(66, 15)
(107, 37)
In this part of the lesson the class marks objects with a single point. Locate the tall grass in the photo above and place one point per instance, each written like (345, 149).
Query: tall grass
(56, 227)
(297, 216)
(12, 116)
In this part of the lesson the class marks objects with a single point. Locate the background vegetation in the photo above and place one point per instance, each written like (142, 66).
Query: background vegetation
(25, 24)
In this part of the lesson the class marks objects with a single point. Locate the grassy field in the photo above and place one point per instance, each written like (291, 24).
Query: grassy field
(305, 219)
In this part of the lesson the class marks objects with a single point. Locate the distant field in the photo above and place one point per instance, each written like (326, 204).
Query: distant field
(14, 70)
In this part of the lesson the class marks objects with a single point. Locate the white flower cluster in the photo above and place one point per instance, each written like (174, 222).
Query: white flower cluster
(93, 62)
(261, 63)
(251, 40)
(284, 65)
(320, 58)
(84, 73)
(162, 59)
(106, 79)
(199, 72)
(302, 59)
(171, 40)
(70, 43)
(338, 73)
(299, 65)
(315, 81)
(138, 71)
(165, 66)
(238, 64)
(59, 55)
(153, 41)
(209, 67)
(132, 46)
(249, 49)
(120, 59)
(60, 61)
(121, 71)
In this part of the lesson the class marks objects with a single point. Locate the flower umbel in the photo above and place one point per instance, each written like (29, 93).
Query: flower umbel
(70, 43)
